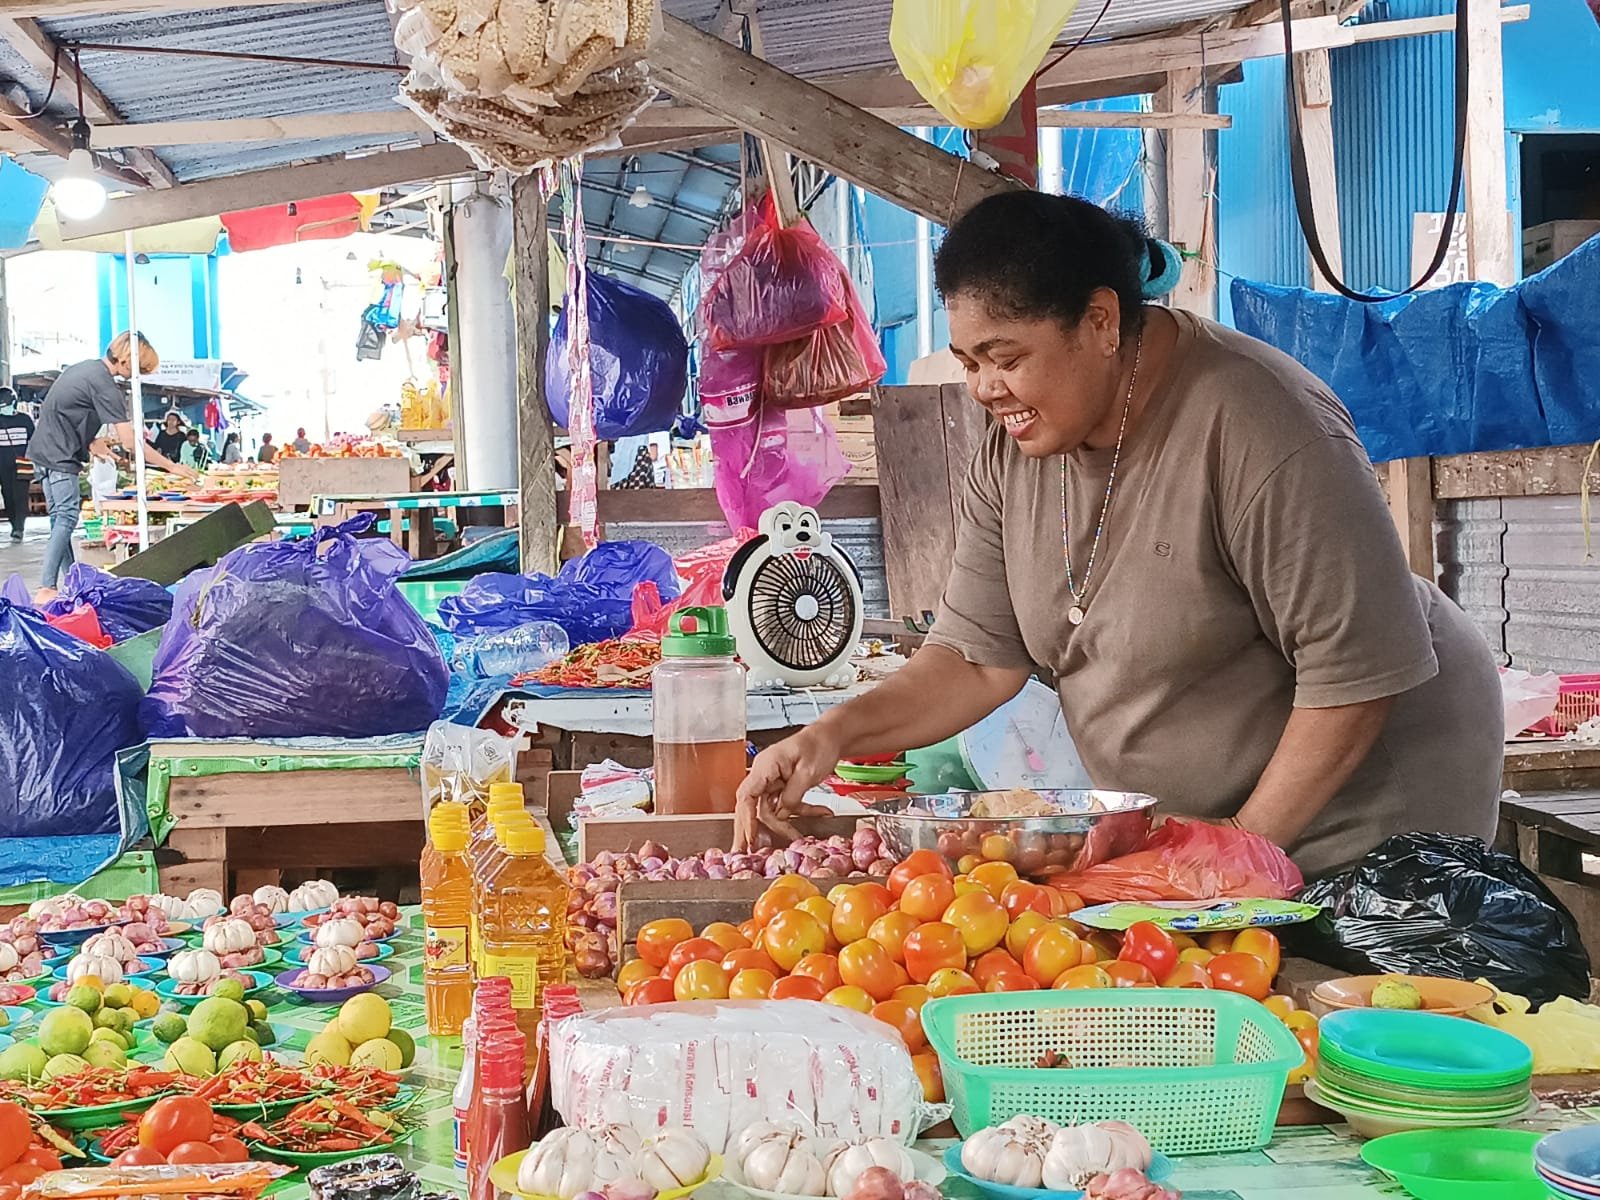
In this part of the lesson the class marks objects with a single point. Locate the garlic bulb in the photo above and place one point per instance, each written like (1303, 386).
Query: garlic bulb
(1035, 1131)
(201, 902)
(622, 1140)
(1001, 1156)
(777, 1165)
(54, 904)
(753, 1134)
(874, 1152)
(1080, 1152)
(331, 961)
(111, 944)
(672, 1159)
(229, 936)
(308, 897)
(8, 957)
(102, 966)
(566, 1164)
(341, 931)
(271, 897)
(194, 966)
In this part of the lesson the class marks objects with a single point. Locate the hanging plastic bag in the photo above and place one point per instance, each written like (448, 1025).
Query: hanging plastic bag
(1528, 698)
(126, 606)
(1435, 904)
(1564, 1035)
(971, 59)
(782, 284)
(297, 639)
(638, 361)
(781, 455)
(1191, 860)
(730, 387)
(69, 708)
(833, 362)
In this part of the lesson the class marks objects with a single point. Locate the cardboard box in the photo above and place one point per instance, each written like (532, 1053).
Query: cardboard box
(861, 452)
(1544, 244)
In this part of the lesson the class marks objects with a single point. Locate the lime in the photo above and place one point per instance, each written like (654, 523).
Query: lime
(408, 1046)
(258, 1010)
(65, 1030)
(64, 1064)
(228, 989)
(218, 1021)
(85, 998)
(108, 1035)
(24, 1061)
(169, 1027)
(263, 1033)
(119, 995)
(379, 1052)
(105, 1054)
(241, 1051)
(328, 1048)
(190, 1057)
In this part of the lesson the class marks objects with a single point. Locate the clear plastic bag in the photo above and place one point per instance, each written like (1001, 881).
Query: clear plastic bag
(780, 285)
(1191, 860)
(782, 455)
(1564, 1035)
(1528, 698)
(971, 59)
(459, 763)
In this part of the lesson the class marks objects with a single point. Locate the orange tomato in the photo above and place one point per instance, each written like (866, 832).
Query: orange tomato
(850, 997)
(1280, 1007)
(1310, 1040)
(797, 987)
(1187, 975)
(1022, 896)
(790, 936)
(931, 946)
(702, 979)
(1022, 927)
(1147, 943)
(950, 982)
(1010, 981)
(1195, 954)
(877, 888)
(651, 991)
(890, 931)
(914, 994)
(837, 892)
(918, 862)
(965, 886)
(901, 978)
(994, 877)
(867, 965)
(856, 910)
(927, 896)
(1262, 943)
(693, 950)
(752, 983)
(751, 931)
(930, 1076)
(1242, 973)
(1300, 1019)
(997, 847)
(656, 939)
(1071, 902)
(752, 959)
(799, 883)
(824, 968)
(1181, 940)
(966, 862)
(1218, 943)
(1049, 952)
(725, 935)
(823, 912)
(635, 972)
(1087, 975)
(1129, 974)
(772, 902)
(904, 1020)
(987, 966)
(980, 919)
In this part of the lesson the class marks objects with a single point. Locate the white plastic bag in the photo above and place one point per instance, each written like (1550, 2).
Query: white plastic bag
(718, 1066)
(1529, 698)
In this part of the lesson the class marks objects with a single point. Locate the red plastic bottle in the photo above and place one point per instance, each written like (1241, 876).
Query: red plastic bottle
(498, 1119)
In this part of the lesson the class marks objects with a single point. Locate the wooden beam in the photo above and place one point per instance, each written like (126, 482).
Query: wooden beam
(1189, 207)
(399, 121)
(50, 140)
(1315, 87)
(537, 531)
(277, 185)
(1410, 486)
(1489, 251)
(805, 120)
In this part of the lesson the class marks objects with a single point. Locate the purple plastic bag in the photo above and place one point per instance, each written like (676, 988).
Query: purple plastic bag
(638, 360)
(297, 639)
(126, 607)
(781, 455)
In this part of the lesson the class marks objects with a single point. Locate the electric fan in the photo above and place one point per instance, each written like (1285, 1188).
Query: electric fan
(794, 602)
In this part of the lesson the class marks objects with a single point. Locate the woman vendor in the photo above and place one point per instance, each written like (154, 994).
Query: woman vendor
(1180, 525)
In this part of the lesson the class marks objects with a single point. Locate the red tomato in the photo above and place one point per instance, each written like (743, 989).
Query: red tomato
(927, 896)
(986, 966)
(697, 949)
(918, 862)
(139, 1156)
(774, 901)
(1022, 896)
(635, 972)
(1010, 981)
(657, 938)
(42, 1156)
(20, 1173)
(1151, 946)
(824, 968)
(857, 909)
(175, 1119)
(1187, 975)
(932, 946)
(10, 1191)
(1129, 974)
(651, 991)
(15, 1132)
(749, 960)
(194, 1152)
(1263, 944)
(725, 935)
(797, 987)
(230, 1149)
(1242, 973)
(867, 965)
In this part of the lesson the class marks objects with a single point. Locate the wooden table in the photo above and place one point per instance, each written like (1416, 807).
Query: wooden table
(1553, 822)
(416, 536)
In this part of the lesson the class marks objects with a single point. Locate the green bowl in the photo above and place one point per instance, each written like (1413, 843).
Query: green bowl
(307, 1160)
(1460, 1164)
(260, 1112)
(1418, 1049)
(871, 773)
(95, 1115)
(167, 989)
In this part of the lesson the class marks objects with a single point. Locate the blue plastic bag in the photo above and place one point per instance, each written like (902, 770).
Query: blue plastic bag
(126, 607)
(591, 598)
(638, 360)
(68, 709)
(297, 639)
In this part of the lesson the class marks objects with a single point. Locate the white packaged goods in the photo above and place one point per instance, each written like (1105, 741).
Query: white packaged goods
(718, 1066)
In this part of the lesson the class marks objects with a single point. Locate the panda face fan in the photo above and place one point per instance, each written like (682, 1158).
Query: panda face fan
(794, 602)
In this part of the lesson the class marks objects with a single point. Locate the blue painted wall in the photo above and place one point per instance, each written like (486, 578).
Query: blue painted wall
(177, 295)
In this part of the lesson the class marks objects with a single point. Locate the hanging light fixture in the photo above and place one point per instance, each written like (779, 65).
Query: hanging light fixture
(77, 194)
(641, 197)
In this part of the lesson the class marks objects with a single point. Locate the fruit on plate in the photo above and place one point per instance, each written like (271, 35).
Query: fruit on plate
(376, 918)
(362, 1034)
(124, 1000)
(1396, 993)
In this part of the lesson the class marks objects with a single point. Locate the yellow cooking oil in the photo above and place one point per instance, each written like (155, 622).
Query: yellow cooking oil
(446, 920)
(505, 800)
(524, 922)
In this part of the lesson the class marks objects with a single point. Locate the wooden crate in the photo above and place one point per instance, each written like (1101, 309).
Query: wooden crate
(299, 479)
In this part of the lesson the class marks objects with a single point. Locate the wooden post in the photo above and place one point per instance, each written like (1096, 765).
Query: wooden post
(1411, 506)
(1489, 253)
(452, 340)
(536, 446)
(1189, 179)
(1316, 127)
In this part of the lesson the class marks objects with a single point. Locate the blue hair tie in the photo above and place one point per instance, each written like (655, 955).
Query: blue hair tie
(1164, 270)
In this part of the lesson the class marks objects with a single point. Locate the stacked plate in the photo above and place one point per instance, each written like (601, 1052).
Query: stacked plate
(1569, 1162)
(1387, 1071)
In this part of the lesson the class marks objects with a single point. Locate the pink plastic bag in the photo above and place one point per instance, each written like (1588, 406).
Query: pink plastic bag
(829, 364)
(730, 387)
(1191, 860)
(701, 571)
(781, 455)
(782, 284)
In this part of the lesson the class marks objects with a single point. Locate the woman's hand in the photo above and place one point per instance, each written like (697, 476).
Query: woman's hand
(774, 791)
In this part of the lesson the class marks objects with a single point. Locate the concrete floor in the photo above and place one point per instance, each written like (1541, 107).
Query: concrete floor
(27, 556)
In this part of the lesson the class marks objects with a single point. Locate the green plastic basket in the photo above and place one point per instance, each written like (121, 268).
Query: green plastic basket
(1196, 1071)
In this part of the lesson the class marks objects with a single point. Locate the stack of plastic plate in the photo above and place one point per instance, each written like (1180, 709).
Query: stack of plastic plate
(1569, 1162)
(1387, 1071)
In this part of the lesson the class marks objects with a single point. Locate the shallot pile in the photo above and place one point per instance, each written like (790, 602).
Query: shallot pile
(592, 910)
(378, 918)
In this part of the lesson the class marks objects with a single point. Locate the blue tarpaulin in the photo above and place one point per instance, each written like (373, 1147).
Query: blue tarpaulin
(1465, 368)
(21, 196)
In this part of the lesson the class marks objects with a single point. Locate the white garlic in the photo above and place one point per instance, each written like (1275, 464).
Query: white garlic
(777, 1166)
(1001, 1156)
(848, 1167)
(672, 1159)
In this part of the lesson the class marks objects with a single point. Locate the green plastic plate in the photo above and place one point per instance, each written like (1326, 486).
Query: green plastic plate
(95, 1115)
(296, 1159)
(1460, 1164)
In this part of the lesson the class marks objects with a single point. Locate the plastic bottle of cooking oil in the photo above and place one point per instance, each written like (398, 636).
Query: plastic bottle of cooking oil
(505, 800)
(524, 923)
(446, 920)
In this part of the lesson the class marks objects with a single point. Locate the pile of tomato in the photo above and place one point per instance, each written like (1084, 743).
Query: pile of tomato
(24, 1155)
(175, 1129)
(886, 948)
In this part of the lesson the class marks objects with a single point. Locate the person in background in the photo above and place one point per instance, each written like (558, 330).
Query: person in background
(170, 440)
(301, 444)
(643, 473)
(195, 453)
(268, 451)
(15, 430)
(83, 398)
(230, 449)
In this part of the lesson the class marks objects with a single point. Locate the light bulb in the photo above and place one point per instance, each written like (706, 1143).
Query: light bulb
(78, 195)
(641, 197)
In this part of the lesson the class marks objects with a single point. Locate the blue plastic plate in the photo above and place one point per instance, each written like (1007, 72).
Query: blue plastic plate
(167, 989)
(72, 937)
(329, 995)
(1573, 1154)
(1160, 1171)
(292, 955)
(285, 919)
(169, 947)
(15, 1016)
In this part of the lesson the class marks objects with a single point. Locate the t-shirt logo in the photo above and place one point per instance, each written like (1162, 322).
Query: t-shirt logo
(1164, 549)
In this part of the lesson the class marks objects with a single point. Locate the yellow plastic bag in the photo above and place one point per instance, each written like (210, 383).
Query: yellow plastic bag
(971, 59)
(1564, 1034)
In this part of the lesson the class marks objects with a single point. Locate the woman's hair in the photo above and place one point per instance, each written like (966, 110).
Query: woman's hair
(230, 439)
(1030, 255)
(117, 352)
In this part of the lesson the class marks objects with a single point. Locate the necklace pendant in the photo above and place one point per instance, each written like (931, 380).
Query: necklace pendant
(1075, 614)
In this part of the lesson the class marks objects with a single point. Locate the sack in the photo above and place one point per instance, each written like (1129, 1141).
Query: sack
(833, 362)
(971, 59)
(782, 284)
(126, 606)
(1191, 860)
(781, 455)
(1436, 904)
(297, 639)
(638, 362)
(69, 708)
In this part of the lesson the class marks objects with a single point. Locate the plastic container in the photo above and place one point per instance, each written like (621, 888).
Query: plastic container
(697, 699)
(1197, 1072)
(1459, 1164)
(1419, 1049)
(505, 800)
(1577, 701)
(446, 920)
(515, 651)
(498, 1118)
(524, 924)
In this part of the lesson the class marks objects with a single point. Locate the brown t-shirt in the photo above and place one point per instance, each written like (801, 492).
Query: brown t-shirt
(1248, 566)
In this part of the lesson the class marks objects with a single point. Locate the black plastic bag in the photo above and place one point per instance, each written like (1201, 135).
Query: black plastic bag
(1434, 904)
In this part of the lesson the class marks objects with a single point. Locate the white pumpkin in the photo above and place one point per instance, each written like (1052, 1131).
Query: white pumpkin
(331, 961)
(194, 966)
(308, 897)
(229, 936)
(341, 931)
(112, 944)
(8, 957)
(105, 968)
(271, 897)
